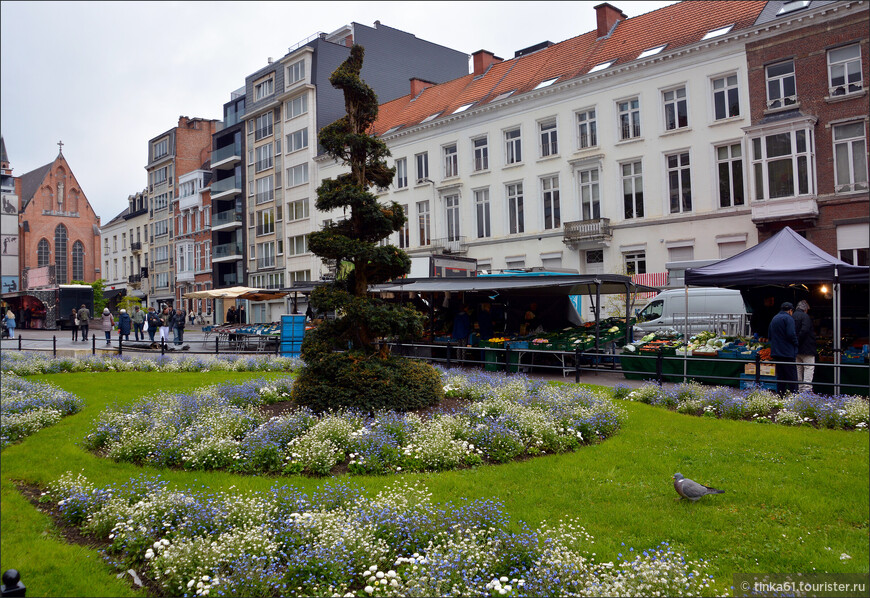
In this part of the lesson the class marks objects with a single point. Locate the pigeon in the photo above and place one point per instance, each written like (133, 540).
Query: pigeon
(692, 490)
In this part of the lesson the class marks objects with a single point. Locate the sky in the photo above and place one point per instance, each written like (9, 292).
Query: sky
(105, 77)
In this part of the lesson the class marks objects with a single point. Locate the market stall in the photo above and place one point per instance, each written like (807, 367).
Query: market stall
(788, 260)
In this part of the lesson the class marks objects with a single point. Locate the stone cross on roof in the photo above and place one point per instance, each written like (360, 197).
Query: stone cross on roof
(60, 145)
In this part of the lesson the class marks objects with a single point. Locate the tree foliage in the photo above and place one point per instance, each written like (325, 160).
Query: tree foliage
(360, 319)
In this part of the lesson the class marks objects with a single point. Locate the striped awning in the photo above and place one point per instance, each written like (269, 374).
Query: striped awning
(650, 279)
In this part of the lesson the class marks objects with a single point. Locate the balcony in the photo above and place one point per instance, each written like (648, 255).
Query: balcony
(190, 201)
(226, 187)
(586, 231)
(228, 220)
(228, 252)
(134, 279)
(184, 276)
(792, 208)
(226, 158)
(449, 246)
(136, 246)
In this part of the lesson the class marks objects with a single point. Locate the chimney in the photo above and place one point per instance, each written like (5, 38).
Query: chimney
(483, 59)
(418, 85)
(607, 16)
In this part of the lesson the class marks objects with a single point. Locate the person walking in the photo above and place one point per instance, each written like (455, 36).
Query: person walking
(138, 322)
(783, 348)
(192, 317)
(806, 349)
(74, 318)
(84, 321)
(107, 322)
(9, 320)
(153, 324)
(125, 322)
(164, 324)
(178, 321)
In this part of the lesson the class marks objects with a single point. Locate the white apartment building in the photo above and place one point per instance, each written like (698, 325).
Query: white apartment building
(617, 151)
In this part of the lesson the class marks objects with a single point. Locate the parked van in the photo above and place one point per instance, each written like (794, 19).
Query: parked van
(714, 309)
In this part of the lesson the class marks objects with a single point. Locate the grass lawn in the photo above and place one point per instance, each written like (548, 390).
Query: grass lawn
(796, 498)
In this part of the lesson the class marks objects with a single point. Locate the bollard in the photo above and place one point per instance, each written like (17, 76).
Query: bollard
(162, 346)
(19, 342)
(54, 345)
(577, 355)
(93, 344)
(120, 345)
(217, 346)
(660, 359)
(12, 585)
(448, 356)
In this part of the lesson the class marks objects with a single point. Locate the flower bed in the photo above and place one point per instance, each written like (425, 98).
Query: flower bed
(503, 418)
(762, 406)
(338, 542)
(30, 363)
(26, 407)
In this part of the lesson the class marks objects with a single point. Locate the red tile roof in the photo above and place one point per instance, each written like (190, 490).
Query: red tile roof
(676, 25)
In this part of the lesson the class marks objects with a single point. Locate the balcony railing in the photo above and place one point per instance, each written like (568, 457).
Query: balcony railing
(227, 250)
(450, 245)
(227, 156)
(229, 217)
(134, 278)
(579, 231)
(184, 276)
(136, 246)
(231, 184)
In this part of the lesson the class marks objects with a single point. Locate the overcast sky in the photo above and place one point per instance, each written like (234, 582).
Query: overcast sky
(105, 77)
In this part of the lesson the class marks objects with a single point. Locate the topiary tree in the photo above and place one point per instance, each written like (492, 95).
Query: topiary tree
(360, 375)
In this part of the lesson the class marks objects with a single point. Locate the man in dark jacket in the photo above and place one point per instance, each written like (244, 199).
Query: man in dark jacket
(806, 349)
(783, 348)
(178, 320)
(84, 320)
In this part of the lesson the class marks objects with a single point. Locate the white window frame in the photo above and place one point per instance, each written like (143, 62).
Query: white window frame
(401, 173)
(726, 87)
(781, 100)
(726, 161)
(483, 213)
(264, 126)
(297, 175)
(297, 140)
(296, 107)
(450, 152)
(513, 146)
(421, 163)
(514, 198)
(453, 216)
(587, 128)
(589, 193)
(846, 64)
(628, 119)
(297, 210)
(679, 163)
(295, 72)
(761, 162)
(264, 157)
(855, 148)
(480, 147)
(633, 260)
(405, 231)
(676, 101)
(632, 185)
(264, 89)
(551, 202)
(265, 189)
(424, 223)
(548, 135)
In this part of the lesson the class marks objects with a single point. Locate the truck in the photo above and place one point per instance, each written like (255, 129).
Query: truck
(73, 296)
(712, 309)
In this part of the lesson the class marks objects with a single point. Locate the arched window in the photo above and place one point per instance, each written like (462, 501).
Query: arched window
(78, 261)
(60, 254)
(43, 251)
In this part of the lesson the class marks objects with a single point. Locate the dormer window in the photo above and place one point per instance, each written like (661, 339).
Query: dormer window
(264, 89)
(463, 108)
(788, 7)
(717, 32)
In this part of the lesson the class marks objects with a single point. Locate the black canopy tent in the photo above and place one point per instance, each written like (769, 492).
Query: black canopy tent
(546, 285)
(784, 259)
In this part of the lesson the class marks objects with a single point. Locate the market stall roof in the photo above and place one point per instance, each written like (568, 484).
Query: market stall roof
(250, 293)
(785, 258)
(579, 284)
(269, 295)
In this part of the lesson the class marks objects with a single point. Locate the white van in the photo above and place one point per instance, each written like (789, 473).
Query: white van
(713, 309)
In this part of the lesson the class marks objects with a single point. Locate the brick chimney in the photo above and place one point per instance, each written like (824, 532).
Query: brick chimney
(483, 59)
(607, 16)
(418, 85)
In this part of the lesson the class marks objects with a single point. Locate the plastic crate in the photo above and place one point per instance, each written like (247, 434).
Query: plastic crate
(517, 344)
(748, 381)
(847, 358)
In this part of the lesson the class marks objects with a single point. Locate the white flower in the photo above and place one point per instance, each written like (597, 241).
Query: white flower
(844, 557)
(368, 589)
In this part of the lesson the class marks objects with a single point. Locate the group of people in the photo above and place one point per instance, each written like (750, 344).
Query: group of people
(138, 323)
(236, 316)
(793, 342)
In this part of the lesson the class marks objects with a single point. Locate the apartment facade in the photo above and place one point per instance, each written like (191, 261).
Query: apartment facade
(808, 73)
(116, 253)
(136, 219)
(592, 155)
(172, 154)
(193, 239)
(263, 191)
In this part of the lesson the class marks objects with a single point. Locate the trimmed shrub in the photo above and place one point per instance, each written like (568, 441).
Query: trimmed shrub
(367, 382)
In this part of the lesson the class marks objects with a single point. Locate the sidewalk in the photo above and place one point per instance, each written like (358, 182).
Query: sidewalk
(44, 340)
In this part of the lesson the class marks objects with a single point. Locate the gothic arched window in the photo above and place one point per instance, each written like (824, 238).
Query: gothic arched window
(60, 254)
(78, 261)
(43, 251)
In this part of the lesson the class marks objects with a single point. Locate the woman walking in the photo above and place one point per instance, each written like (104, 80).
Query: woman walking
(74, 317)
(9, 320)
(125, 322)
(108, 323)
(164, 324)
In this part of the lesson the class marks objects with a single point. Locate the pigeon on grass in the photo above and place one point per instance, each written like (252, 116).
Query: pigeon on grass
(690, 489)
